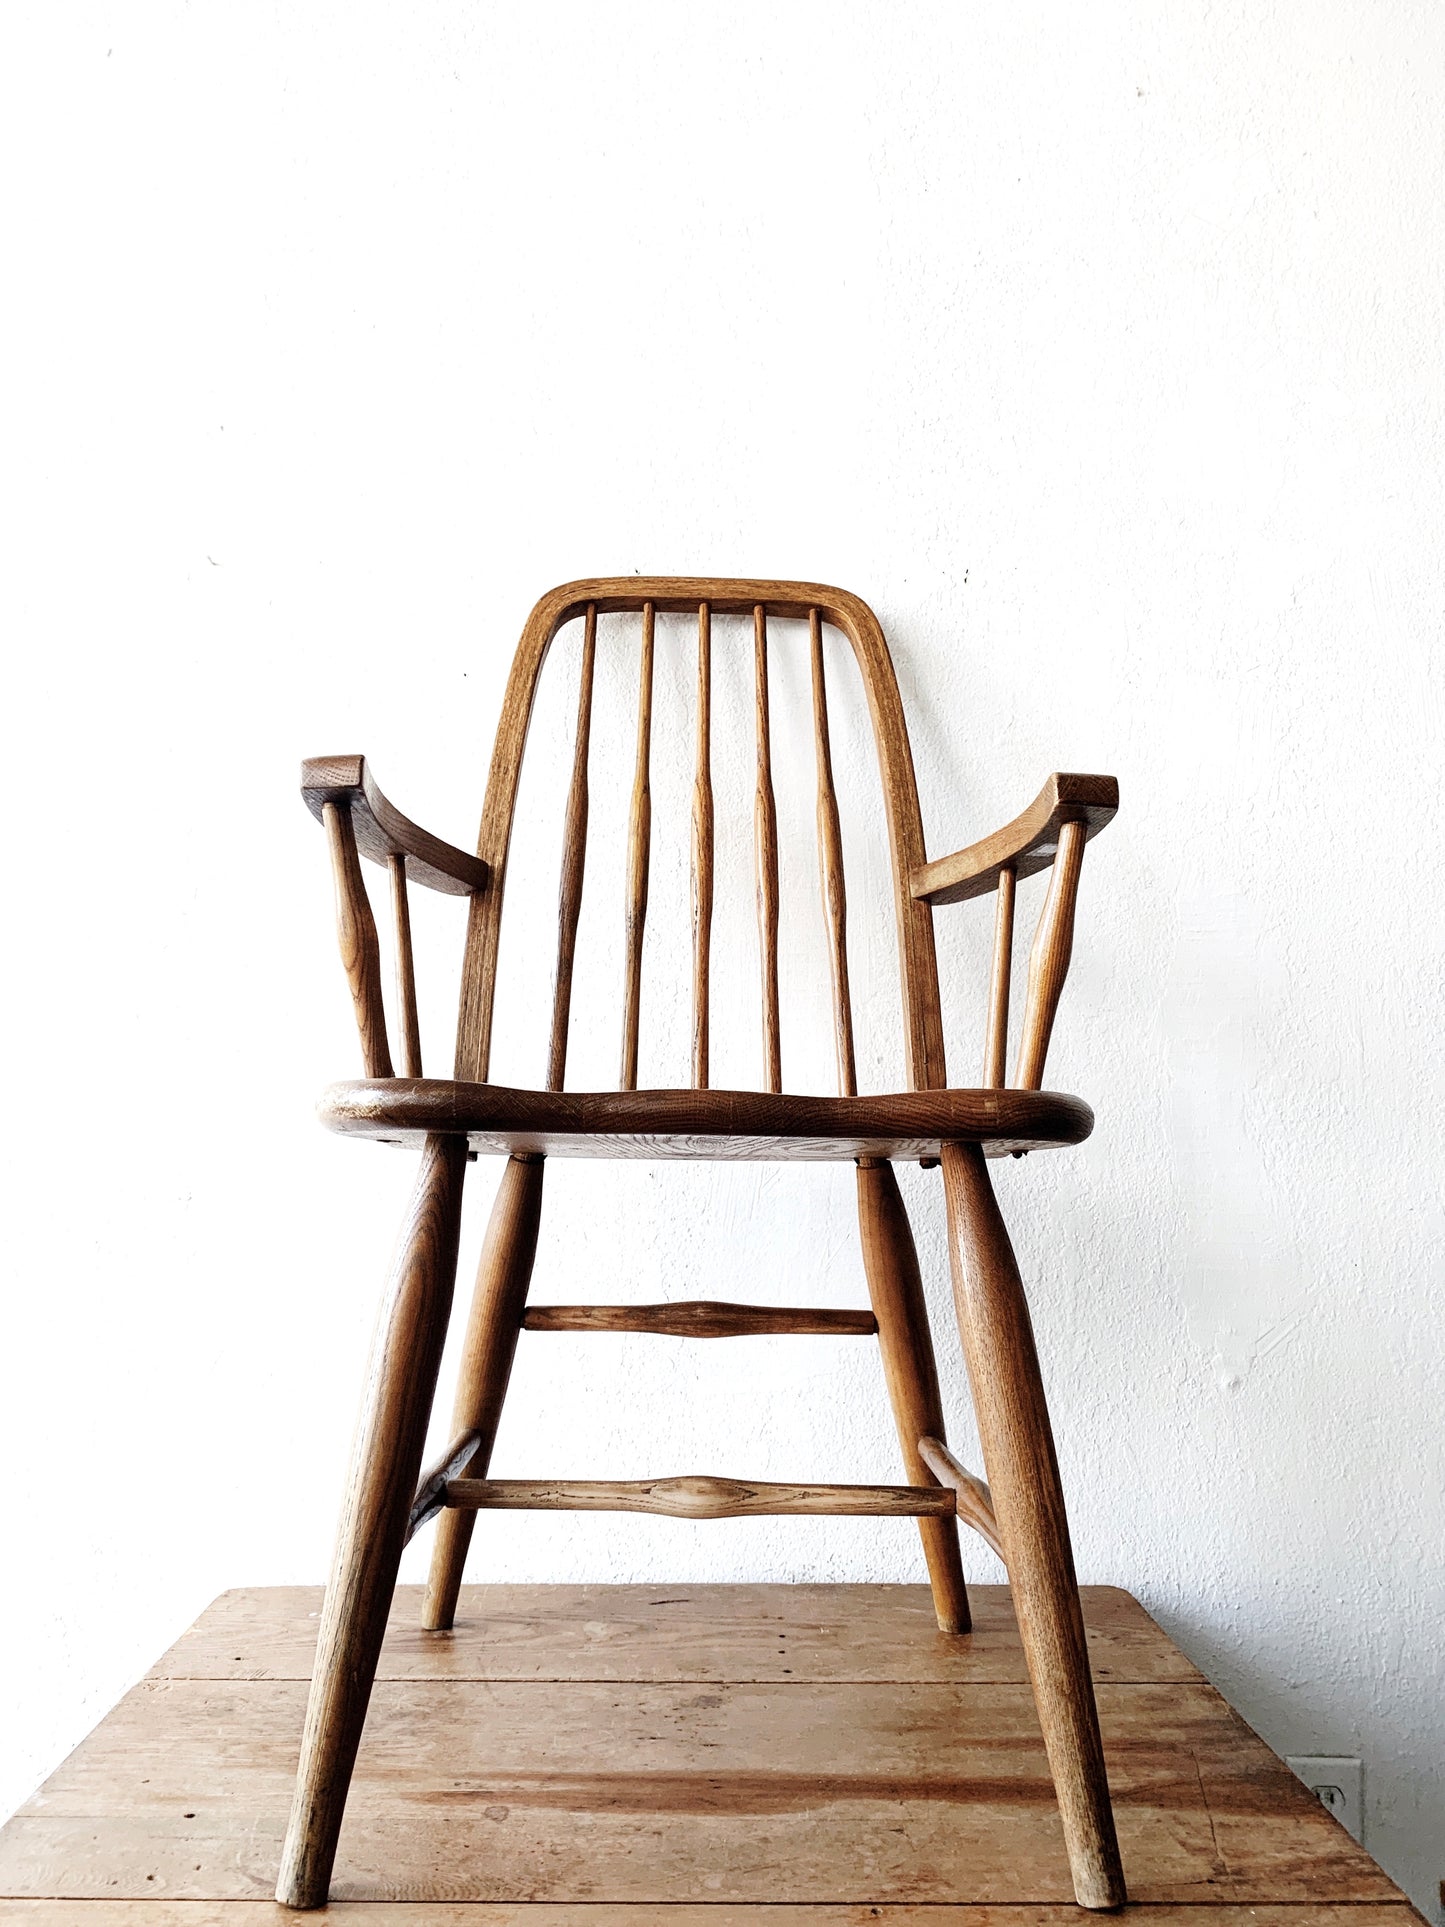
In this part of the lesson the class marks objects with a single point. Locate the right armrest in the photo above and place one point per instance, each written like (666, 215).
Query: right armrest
(1025, 845)
(383, 832)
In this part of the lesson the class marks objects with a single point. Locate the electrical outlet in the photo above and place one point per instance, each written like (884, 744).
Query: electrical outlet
(1338, 1785)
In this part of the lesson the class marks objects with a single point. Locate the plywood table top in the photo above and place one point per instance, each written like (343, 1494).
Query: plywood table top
(601, 1756)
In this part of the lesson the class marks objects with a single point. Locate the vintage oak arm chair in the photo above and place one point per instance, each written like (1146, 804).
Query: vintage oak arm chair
(1020, 1511)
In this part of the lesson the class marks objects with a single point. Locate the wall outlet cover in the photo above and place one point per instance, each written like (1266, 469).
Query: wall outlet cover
(1337, 1784)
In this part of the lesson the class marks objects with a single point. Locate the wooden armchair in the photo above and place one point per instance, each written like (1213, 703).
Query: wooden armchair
(1020, 1511)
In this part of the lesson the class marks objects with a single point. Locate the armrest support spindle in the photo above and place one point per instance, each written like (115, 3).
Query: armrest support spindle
(1049, 958)
(356, 934)
(405, 968)
(995, 1066)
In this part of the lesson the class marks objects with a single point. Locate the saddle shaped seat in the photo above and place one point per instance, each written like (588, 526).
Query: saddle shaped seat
(746, 1125)
(1019, 1512)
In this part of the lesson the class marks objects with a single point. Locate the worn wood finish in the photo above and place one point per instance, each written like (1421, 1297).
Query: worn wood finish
(805, 1792)
(639, 859)
(895, 1287)
(1028, 1501)
(863, 1633)
(405, 968)
(922, 1022)
(701, 1318)
(356, 936)
(697, 1496)
(705, 1124)
(396, 1405)
(574, 860)
(382, 831)
(1026, 845)
(830, 859)
(431, 1489)
(765, 835)
(975, 1501)
(504, 1271)
(995, 1054)
(1049, 957)
(702, 858)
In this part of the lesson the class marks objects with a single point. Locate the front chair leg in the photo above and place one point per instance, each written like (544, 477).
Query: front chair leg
(1018, 1446)
(895, 1287)
(401, 1379)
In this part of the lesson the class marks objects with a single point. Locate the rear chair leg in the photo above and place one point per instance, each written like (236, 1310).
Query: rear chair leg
(1018, 1447)
(503, 1274)
(896, 1289)
(401, 1380)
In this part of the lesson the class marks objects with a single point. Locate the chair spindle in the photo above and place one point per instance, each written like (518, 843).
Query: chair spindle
(830, 857)
(702, 855)
(356, 935)
(995, 1055)
(574, 857)
(1049, 958)
(765, 827)
(405, 967)
(639, 852)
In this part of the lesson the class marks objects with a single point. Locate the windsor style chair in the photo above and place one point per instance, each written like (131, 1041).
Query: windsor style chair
(1020, 1511)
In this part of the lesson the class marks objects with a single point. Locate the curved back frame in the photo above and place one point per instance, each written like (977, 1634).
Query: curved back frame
(812, 602)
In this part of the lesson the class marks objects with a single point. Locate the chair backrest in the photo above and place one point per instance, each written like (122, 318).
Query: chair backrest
(647, 597)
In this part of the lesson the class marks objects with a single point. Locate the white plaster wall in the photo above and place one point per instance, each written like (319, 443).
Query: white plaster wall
(1100, 350)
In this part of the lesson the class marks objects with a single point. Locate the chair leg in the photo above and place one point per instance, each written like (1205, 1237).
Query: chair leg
(896, 1289)
(503, 1274)
(401, 1380)
(1018, 1446)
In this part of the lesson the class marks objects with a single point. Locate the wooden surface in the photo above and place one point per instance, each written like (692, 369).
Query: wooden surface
(765, 850)
(1026, 845)
(697, 1495)
(356, 938)
(704, 1124)
(702, 1318)
(381, 829)
(750, 1756)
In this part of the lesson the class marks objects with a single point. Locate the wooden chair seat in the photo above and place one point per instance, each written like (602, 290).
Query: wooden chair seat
(761, 1125)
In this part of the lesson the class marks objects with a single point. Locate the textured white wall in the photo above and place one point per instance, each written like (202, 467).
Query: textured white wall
(1100, 350)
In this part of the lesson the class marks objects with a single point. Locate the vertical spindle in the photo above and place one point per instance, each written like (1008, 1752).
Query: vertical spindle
(639, 852)
(574, 857)
(765, 826)
(702, 855)
(356, 935)
(995, 1054)
(405, 968)
(1049, 957)
(830, 858)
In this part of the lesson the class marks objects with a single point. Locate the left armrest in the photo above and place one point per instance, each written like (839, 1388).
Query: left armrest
(381, 829)
(1026, 845)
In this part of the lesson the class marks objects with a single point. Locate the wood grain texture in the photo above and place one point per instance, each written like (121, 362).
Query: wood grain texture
(696, 1495)
(639, 859)
(704, 1124)
(975, 1501)
(703, 838)
(356, 938)
(765, 841)
(405, 968)
(701, 1318)
(995, 1054)
(923, 1033)
(864, 1633)
(895, 1287)
(1027, 844)
(431, 1487)
(504, 1271)
(381, 829)
(1028, 1502)
(574, 860)
(793, 1793)
(396, 1404)
(465, 1913)
(1053, 946)
(830, 861)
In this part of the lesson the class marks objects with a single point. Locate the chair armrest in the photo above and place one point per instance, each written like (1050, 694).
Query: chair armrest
(1028, 843)
(383, 832)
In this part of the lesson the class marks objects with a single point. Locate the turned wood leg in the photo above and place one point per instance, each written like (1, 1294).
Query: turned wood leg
(401, 1380)
(503, 1274)
(896, 1289)
(1018, 1447)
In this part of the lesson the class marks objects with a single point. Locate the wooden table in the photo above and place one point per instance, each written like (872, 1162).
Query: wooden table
(594, 1756)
